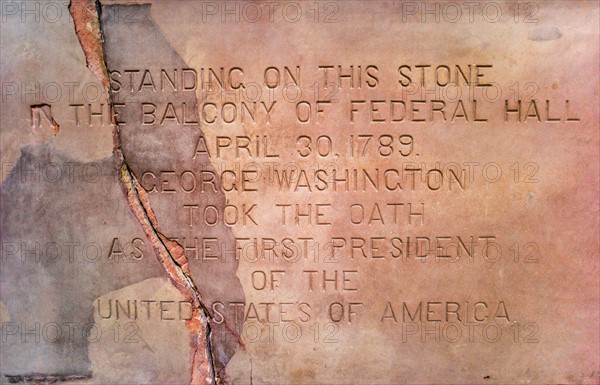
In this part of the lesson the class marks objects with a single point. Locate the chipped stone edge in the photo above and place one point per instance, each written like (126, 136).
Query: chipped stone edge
(171, 255)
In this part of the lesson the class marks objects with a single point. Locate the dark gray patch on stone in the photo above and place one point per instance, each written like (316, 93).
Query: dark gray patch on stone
(56, 231)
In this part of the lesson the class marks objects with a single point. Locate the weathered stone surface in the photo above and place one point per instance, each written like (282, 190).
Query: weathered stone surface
(57, 236)
(146, 154)
(308, 202)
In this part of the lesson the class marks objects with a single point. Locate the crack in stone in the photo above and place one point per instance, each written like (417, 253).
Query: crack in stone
(171, 255)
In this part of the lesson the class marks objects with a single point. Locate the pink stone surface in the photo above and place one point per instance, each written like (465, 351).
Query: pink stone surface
(297, 193)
